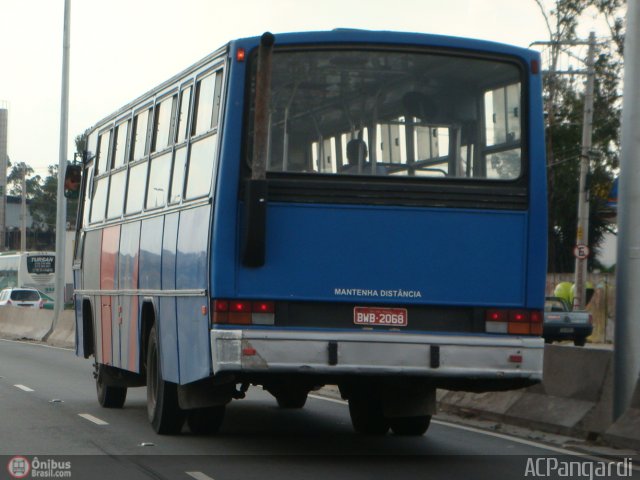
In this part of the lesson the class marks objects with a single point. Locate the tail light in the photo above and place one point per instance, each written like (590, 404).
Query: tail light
(41, 304)
(243, 312)
(514, 322)
(9, 302)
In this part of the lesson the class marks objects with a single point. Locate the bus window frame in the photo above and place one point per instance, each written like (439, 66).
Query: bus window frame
(99, 160)
(171, 94)
(218, 68)
(212, 70)
(148, 106)
(189, 84)
(185, 143)
(121, 121)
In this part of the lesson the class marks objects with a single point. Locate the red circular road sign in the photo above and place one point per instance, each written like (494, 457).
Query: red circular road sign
(581, 252)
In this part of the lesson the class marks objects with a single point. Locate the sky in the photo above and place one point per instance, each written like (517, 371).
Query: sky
(122, 48)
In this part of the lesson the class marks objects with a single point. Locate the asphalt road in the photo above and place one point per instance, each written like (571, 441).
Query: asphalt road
(49, 411)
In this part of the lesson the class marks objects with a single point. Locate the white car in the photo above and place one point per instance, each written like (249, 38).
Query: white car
(24, 297)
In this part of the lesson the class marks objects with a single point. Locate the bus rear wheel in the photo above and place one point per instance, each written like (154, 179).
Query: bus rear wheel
(164, 412)
(414, 426)
(205, 421)
(367, 415)
(109, 396)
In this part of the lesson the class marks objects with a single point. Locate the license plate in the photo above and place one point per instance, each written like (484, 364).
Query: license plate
(566, 330)
(386, 317)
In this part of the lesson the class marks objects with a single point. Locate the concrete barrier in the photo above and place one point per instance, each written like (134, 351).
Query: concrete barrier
(19, 323)
(575, 399)
(65, 333)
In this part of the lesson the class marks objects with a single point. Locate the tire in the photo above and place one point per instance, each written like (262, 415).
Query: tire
(109, 396)
(579, 341)
(414, 426)
(291, 399)
(367, 416)
(205, 421)
(163, 409)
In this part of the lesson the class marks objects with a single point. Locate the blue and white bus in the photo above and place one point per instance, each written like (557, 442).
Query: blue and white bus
(353, 208)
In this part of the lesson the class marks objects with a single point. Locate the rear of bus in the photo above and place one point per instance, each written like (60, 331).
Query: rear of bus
(405, 232)
(37, 270)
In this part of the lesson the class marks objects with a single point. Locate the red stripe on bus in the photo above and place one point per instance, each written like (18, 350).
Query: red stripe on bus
(108, 262)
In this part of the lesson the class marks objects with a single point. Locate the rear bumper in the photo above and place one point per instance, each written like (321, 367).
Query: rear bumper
(377, 353)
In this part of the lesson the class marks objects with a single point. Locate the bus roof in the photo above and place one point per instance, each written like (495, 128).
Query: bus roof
(355, 36)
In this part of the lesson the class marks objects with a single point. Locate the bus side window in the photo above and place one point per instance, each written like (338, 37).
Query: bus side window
(139, 137)
(201, 164)
(177, 178)
(87, 195)
(204, 105)
(207, 107)
(503, 131)
(163, 124)
(183, 115)
(136, 188)
(159, 173)
(99, 201)
(120, 144)
(103, 152)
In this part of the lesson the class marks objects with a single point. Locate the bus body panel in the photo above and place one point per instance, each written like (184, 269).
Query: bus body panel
(193, 311)
(390, 256)
(90, 280)
(108, 281)
(128, 267)
(168, 321)
(150, 256)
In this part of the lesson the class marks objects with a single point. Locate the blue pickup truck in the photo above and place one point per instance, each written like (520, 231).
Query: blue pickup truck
(560, 323)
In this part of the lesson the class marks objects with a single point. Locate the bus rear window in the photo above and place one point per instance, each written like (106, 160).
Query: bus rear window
(395, 114)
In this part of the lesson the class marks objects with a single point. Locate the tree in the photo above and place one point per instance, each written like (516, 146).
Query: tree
(564, 100)
(14, 180)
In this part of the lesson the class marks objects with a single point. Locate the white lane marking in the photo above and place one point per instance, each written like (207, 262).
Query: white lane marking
(503, 436)
(93, 419)
(199, 475)
(36, 344)
(334, 400)
(24, 388)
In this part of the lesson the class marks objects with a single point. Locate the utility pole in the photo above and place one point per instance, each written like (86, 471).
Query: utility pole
(626, 355)
(581, 250)
(61, 213)
(23, 211)
(4, 160)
